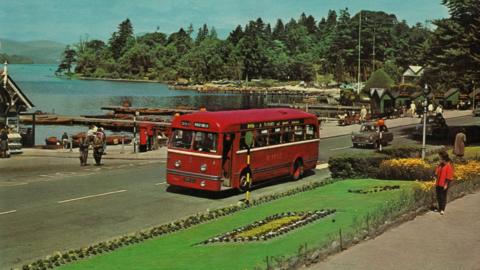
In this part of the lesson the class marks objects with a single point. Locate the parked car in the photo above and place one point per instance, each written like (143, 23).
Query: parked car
(369, 135)
(476, 111)
(436, 127)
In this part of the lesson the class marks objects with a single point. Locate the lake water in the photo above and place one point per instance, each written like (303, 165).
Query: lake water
(82, 97)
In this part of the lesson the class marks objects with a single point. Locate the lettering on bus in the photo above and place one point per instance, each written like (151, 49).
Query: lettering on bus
(271, 124)
(185, 123)
(200, 125)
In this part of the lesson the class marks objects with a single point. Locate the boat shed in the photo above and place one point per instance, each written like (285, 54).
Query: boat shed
(12, 99)
(412, 74)
(382, 101)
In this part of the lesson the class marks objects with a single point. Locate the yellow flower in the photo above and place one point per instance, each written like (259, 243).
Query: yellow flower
(467, 171)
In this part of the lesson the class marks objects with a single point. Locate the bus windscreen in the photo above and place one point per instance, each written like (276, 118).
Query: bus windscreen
(194, 140)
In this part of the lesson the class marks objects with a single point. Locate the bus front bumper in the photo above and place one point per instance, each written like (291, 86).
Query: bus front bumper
(194, 180)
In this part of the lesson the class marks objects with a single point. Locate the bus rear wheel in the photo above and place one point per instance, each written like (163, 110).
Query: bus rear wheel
(243, 185)
(297, 170)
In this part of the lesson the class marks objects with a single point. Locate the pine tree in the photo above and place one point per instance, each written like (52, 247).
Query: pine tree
(119, 40)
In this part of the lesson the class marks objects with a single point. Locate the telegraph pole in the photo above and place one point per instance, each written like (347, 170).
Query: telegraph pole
(424, 133)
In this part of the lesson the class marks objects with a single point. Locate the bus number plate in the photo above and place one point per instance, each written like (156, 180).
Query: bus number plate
(189, 180)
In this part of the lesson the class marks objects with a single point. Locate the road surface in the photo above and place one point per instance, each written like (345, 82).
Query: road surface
(53, 204)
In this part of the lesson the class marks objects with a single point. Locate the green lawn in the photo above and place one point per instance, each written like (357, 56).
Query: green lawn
(470, 152)
(177, 250)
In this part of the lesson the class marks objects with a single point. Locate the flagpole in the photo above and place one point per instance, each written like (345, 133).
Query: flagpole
(359, 49)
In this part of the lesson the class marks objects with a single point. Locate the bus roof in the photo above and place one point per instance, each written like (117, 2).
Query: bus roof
(221, 120)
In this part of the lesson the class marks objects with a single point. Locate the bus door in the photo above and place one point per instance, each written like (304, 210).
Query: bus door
(227, 155)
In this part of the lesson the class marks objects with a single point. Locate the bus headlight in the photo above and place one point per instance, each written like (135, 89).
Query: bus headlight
(178, 163)
(203, 168)
(202, 184)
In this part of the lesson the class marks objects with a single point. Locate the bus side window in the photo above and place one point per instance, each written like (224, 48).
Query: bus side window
(243, 145)
(261, 138)
(275, 136)
(299, 133)
(287, 135)
(310, 132)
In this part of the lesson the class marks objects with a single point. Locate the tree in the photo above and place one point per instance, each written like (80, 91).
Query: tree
(68, 59)
(279, 31)
(119, 40)
(235, 35)
(202, 34)
(181, 40)
(379, 79)
(454, 48)
(153, 39)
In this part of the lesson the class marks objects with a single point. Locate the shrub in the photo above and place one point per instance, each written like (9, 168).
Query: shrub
(355, 165)
(410, 151)
(405, 169)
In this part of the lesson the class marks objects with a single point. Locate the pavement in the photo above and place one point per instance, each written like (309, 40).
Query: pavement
(332, 129)
(430, 241)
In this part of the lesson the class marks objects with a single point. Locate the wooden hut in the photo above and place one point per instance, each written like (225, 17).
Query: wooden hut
(12, 99)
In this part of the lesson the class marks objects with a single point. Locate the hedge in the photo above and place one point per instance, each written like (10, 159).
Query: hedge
(355, 165)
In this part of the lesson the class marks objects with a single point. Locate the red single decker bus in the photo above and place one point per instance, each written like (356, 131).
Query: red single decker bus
(207, 150)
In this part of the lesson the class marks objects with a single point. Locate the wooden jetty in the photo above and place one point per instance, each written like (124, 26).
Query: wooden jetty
(110, 124)
(147, 111)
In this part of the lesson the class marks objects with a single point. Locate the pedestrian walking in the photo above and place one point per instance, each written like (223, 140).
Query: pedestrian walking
(98, 142)
(439, 110)
(430, 108)
(102, 130)
(4, 142)
(413, 110)
(459, 144)
(65, 140)
(363, 114)
(444, 177)
(83, 147)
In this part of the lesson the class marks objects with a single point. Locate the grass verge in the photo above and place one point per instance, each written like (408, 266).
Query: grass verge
(178, 250)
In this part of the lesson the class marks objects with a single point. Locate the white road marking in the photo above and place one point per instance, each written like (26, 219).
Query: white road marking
(8, 212)
(13, 184)
(340, 148)
(162, 183)
(92, 196)
(321, 166)
(404, 136)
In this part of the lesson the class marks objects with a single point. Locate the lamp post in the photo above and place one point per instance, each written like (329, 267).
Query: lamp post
(474, 95)
(424, 133)
(135, 131)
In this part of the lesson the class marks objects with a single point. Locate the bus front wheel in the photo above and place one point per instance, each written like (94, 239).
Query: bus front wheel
(297, 170)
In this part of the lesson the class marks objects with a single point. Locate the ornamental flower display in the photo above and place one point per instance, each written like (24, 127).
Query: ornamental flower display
(406, 169)
(468, 171)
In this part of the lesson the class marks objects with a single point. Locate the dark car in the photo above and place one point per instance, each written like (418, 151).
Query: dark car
(369, 135)
(436, 127)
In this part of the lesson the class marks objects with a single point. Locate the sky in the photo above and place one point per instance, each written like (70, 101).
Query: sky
(68, 20)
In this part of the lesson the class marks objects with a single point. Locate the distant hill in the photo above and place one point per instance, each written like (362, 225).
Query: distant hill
(39, 51)
(15, 59)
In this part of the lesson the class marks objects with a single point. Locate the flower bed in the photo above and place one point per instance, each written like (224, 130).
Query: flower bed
(467, 171)
(374, 189)
(271, 226)
(406, 169)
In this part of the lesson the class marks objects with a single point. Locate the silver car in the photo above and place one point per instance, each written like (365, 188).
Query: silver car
(369, 135)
